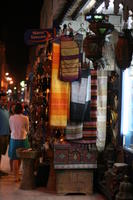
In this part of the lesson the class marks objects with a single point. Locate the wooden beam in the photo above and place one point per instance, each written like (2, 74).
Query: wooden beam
(67, 6)
(76, 12)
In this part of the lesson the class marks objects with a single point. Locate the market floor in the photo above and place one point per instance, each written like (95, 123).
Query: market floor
(9, 190)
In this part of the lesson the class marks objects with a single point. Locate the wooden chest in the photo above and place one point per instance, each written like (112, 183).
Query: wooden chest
(74, 181)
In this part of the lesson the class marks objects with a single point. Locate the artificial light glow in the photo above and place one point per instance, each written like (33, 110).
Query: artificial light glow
(8, 78)
(22, 83)
(125, 101)
(11, 82)
(7, 74)
(22, 89)
(9, 91)
(15, 88)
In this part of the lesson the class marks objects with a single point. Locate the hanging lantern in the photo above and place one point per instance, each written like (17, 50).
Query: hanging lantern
(92, 46)
(123, 52)
(101, 28)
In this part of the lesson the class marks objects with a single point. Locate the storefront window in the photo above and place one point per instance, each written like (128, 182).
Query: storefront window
(127, 108)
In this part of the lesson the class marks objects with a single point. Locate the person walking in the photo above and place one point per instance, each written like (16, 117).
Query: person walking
(11, 112)
(19, 126)
(4, 129)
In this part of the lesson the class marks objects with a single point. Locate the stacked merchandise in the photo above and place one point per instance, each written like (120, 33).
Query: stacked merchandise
(85, 123)
(39, 92)
(72, 103)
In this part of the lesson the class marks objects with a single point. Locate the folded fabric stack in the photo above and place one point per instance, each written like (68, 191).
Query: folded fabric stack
(73, 131)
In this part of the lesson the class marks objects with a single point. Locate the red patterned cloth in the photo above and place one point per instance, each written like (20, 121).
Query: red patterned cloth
(90, 128)
(75, 156)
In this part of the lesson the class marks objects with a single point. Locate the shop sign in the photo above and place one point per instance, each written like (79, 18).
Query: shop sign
(38, 36)
(95, 17)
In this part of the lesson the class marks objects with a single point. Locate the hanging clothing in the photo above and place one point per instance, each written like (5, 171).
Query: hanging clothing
(101, 109)
(60, 93)
(90, 126)
(70, 65)
(80, 97)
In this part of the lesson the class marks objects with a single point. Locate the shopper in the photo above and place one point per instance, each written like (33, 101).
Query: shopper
(4, 129)
(19, 126)
(11, 112)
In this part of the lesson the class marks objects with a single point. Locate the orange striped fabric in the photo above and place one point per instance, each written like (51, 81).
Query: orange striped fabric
(60, 93)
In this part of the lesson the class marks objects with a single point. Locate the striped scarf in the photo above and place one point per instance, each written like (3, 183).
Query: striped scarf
(60, 92)
(90, 127)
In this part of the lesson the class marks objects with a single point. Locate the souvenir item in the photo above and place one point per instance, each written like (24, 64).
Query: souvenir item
(90, 125)
(92, 46)
(73, 131)
(123, 52)
(70, 64)
(101, 109)
(60, 91)
(101, 28)
(80, 97)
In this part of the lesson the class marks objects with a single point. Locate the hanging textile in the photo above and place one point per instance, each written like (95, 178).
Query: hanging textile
(70, 65)
(80, 97)
(92, 46)
(60, 93)
(90, 127)
(101, 109)
(73, 131)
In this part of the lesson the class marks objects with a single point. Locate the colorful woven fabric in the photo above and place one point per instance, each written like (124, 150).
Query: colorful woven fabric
(73, 131)
(74, 156)
(70, 65)
(80, 97)
(90, 127)
(101, 109)
(60, 93)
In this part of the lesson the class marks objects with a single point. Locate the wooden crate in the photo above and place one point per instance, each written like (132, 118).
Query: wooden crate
(74, 181)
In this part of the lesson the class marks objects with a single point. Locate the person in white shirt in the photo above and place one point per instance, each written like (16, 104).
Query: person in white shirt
(19, 126)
